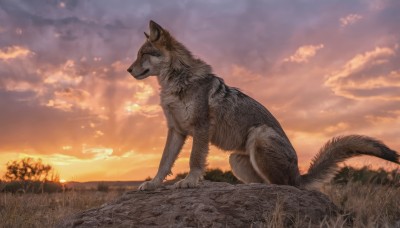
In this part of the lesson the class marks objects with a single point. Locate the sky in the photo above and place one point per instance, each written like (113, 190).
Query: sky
(323, 68)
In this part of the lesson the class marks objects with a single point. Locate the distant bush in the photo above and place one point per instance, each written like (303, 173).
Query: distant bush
(31, 187)
(345, 175)
(365, 175)
(215, 175)
(103, 187)
(218, 175)
(2, 185)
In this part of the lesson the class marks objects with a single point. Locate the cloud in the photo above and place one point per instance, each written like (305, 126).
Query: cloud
(371, 75)
(66, 75)
(99, 153)
(74, 89)
(14, 52)
(20, 86)
(350, 19)
(145, 110)
(242, 75)
(59, 104)
(68, 98)
(143, 93)
(304, 53)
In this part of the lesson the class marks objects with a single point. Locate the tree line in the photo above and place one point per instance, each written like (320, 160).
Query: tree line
(346, 174)
(32, 175)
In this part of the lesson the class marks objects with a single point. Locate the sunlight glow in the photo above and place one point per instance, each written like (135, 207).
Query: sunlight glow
(67, 147)
(131, 107)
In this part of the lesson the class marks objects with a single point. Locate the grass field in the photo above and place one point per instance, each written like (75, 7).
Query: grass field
(367, 205)
(45, 210)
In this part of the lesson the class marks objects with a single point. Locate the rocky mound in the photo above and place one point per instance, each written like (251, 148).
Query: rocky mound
(212, 205)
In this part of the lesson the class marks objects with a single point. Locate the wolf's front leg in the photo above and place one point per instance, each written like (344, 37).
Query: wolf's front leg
(197, 158)
(172, 148)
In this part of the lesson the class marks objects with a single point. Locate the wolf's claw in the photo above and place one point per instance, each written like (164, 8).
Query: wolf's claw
(149, 185)
(188, 182)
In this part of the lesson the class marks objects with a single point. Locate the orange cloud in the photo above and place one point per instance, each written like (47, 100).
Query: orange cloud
(350, 19)
(145, 110)
(10, 84)
(68, 98)
(143, 93)
(66, 75)
(242, 75)
(304, 53)
(364, 77)
(14, 52)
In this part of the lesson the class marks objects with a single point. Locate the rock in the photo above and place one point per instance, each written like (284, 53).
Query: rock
(213, 204)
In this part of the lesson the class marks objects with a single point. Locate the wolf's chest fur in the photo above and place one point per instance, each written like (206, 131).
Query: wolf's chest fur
(179, 112)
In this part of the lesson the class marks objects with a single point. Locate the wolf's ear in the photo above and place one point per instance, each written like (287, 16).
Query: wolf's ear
(146, 35)
(156, 31)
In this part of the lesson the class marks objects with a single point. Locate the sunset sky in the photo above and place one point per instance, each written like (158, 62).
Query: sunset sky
(323, 68)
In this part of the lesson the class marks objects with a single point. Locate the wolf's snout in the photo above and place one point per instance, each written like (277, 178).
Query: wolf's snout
(129, 70)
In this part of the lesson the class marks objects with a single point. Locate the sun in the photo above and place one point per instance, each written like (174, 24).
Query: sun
(62, 181)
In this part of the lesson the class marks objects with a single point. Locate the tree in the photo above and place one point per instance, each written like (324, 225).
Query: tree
(30, 175)
(29, 169)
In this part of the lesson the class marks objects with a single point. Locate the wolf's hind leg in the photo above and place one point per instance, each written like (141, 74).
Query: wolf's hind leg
(243, 169)
(273, 157)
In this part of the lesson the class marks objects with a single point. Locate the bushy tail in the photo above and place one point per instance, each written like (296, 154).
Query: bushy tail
(324, 164)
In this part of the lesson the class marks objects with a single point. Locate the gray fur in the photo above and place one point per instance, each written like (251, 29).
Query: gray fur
(199, 104)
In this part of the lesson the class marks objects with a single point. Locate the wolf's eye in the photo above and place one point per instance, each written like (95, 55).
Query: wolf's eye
(156, 54)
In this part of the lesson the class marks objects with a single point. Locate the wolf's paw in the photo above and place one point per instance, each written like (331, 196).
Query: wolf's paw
(149, 185)
(188, 182)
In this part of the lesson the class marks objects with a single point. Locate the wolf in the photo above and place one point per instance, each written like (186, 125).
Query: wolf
(197, 103)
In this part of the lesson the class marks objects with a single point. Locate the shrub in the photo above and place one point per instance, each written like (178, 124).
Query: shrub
(32, 187)
(215, 175)
(103, 187)
(218, 175)
(2, 185)
(365, 175)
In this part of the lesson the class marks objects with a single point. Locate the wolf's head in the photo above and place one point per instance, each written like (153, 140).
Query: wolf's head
(155, 53)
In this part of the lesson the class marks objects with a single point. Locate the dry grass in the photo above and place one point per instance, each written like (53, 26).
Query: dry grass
(45, 210)
(367, 205)
(363, 206)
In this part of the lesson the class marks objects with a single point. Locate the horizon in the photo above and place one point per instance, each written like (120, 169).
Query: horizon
(323, 69)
